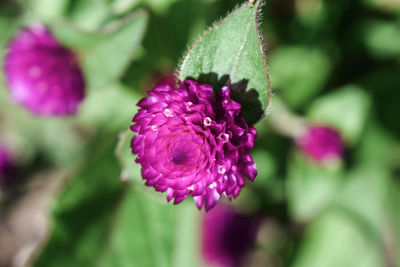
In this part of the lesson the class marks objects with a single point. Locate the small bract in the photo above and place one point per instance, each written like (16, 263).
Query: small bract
(321, 143)
(42, 75)
(190, 142)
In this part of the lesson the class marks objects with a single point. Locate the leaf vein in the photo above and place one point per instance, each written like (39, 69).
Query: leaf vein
(239, 53)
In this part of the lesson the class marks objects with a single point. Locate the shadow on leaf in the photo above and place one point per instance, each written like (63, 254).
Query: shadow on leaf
(248, 98)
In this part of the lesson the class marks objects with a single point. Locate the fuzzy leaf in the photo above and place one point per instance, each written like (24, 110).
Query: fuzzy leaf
(231, 52)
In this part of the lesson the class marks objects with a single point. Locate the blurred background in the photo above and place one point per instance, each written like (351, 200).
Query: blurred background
(76, 198)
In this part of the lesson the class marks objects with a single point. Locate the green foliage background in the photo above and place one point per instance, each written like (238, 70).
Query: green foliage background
(332, 62)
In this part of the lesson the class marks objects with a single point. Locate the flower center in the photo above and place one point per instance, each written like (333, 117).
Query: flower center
(184, 149)
(179, 157)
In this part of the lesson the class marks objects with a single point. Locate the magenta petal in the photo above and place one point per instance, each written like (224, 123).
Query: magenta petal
(152, 181)
(178, 200)
(212, 199)
(147, 101)
(199, 201)
(249, 171)
(161, 188)
(149, 173)
(236, 191)
(170, 194)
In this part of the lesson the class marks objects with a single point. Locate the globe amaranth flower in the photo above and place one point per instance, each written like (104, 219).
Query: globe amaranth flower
(227, 236)
(42, 75)
(190, 142)
(6, 166)
(321, 143)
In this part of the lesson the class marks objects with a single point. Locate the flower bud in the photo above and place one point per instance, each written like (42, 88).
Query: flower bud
(42, 75)
(321, 143)
(227, 236)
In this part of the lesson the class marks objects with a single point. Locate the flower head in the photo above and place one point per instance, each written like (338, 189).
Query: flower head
(190, 142)
(42, 75)
(227, 236)
(6, 166)
(321, 143)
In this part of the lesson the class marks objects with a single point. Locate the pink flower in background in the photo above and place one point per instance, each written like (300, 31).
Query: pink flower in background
(190, 142)
(227, 236)
(42, 75)
(6, 166)
(321, 143)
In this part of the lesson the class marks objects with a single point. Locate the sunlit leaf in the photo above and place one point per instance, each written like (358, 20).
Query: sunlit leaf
(231, 52)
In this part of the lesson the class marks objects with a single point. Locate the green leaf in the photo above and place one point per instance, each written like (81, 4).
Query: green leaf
(90, 14)
(346, 108)
(121, 6)
(311, 188)
(109, 58)
(148, 232)
(99, 108)
(82, 214)
(381, 38)
(300, 72)
(230, 52)
(104, 53)
(73, 36)
(393, 203)
(7, 28)
(266, 166)
(386, 6)
(379, 145)
(46, 10)
(335, 240)
(364, 196)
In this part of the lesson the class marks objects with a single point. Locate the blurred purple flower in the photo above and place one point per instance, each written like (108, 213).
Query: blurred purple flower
(190, 142)
(42, 75)
(6, 166)
(227, 236)
(321, 143)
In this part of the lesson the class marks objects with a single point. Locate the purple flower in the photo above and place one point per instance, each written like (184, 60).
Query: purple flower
(227, 236)
(6, 166)
(42, 75)
(190, 142)
(321, 143)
